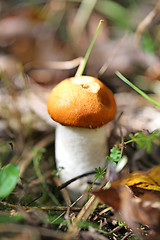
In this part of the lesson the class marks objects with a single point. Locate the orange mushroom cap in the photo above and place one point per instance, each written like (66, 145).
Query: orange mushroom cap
(81, 102)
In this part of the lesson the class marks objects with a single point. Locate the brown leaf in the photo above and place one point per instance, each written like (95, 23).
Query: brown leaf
(149, 180)
(110, 197)
(122, 196)
(133, 210)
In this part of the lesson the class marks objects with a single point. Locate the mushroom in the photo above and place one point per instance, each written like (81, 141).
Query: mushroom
(81, 106)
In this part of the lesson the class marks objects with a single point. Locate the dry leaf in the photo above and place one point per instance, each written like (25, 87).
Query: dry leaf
(122, 196)
(147, 180)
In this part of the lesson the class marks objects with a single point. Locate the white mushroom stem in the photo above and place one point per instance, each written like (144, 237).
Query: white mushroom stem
(79, 150)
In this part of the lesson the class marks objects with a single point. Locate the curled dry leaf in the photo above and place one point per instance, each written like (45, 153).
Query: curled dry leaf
(140, 181)
(137, 198)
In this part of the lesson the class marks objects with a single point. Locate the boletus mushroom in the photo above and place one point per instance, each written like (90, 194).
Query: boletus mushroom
(82, 107)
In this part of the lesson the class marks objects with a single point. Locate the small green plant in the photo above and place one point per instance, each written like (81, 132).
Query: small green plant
(121, 223)
(115, 155)
(145, 141)
(141, 139)
(56, 173)
(99, 172)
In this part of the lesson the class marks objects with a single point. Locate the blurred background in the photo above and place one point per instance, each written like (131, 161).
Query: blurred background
(41, 43)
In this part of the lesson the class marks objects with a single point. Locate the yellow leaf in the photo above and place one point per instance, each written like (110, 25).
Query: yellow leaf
(149, 180)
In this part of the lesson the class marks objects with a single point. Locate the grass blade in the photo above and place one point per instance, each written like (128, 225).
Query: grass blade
(137, 89)
(81, 68)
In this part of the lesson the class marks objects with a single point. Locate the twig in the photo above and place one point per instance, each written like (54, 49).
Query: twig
(116, 229)
(53, 208)
(53, 65)
(146, 21)
(35, 199)
(74, 179)
(85, 212)
(67, 208)
(126, 235)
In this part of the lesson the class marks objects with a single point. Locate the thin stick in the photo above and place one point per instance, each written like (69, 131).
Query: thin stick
(49, 208)
(137, 89)
(83, 63)
(74, 179)
(58, 65)
(146, 21)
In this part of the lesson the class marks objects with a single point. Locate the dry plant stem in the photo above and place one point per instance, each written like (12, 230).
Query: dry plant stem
(146, 21)
(116, 229)
(86, 210)
(126, 235)
(53, 65)
(27, 157)
(105, 210)
(122, 140)
(53, 208)
(68, 207)
(83, 214)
